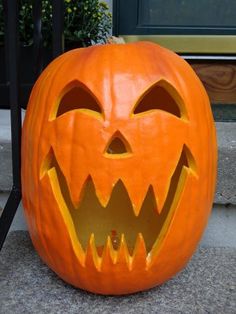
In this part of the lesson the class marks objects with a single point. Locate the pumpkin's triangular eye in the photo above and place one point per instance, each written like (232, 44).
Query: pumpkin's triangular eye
(162, 97)
(78, 97)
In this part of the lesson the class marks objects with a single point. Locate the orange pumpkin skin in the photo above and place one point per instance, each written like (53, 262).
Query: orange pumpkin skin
(118, 77)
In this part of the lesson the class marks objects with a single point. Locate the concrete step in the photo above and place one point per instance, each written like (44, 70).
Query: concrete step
(206, 285)
(226, 183)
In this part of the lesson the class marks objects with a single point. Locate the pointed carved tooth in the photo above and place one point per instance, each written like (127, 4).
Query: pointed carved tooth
(46, 165)
(138, 202)
(77, 186)
(137, 207)
(160, 195)
(92, 259)
(123, 256)
(103, 189)
(108, 255)
(136, 192)
(103, 197)
(140, 254)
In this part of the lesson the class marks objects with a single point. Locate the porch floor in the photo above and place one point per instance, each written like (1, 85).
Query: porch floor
(206, 285)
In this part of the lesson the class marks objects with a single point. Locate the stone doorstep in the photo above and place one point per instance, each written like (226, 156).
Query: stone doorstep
(226, 182)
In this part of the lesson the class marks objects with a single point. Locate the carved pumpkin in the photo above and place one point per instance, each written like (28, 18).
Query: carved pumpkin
(119, 166)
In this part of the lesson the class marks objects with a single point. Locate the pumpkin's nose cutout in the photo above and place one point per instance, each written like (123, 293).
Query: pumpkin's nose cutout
(118, 145)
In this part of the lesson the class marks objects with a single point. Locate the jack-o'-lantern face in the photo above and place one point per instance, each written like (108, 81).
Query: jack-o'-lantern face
(117, 166)
(110, 186)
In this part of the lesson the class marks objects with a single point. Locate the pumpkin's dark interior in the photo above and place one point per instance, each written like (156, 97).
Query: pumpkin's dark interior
(118, 217)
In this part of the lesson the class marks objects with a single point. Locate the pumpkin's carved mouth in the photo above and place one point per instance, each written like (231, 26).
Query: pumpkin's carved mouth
(116, 226)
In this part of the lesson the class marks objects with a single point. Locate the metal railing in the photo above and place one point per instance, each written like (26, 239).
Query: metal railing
(11, 45)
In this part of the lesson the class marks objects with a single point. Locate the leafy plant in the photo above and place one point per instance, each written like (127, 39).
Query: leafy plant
(85, 22)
